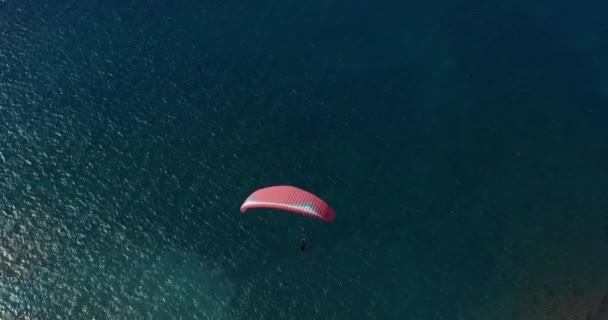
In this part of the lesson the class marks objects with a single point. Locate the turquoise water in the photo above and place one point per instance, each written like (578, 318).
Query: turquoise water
(464, 150)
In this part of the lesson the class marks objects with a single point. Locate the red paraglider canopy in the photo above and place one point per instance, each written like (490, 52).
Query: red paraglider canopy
(290, 199)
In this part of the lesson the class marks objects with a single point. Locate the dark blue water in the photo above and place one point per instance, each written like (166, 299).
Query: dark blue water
(464, 147)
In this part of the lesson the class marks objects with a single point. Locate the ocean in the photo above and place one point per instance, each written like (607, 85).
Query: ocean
(463, 146)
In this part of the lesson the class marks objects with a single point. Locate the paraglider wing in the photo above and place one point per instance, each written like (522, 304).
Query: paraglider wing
(290, 199)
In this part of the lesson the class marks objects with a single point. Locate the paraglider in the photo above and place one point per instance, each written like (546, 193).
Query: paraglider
(291, 199)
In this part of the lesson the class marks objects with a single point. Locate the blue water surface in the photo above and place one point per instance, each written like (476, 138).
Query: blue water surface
(463, 146)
